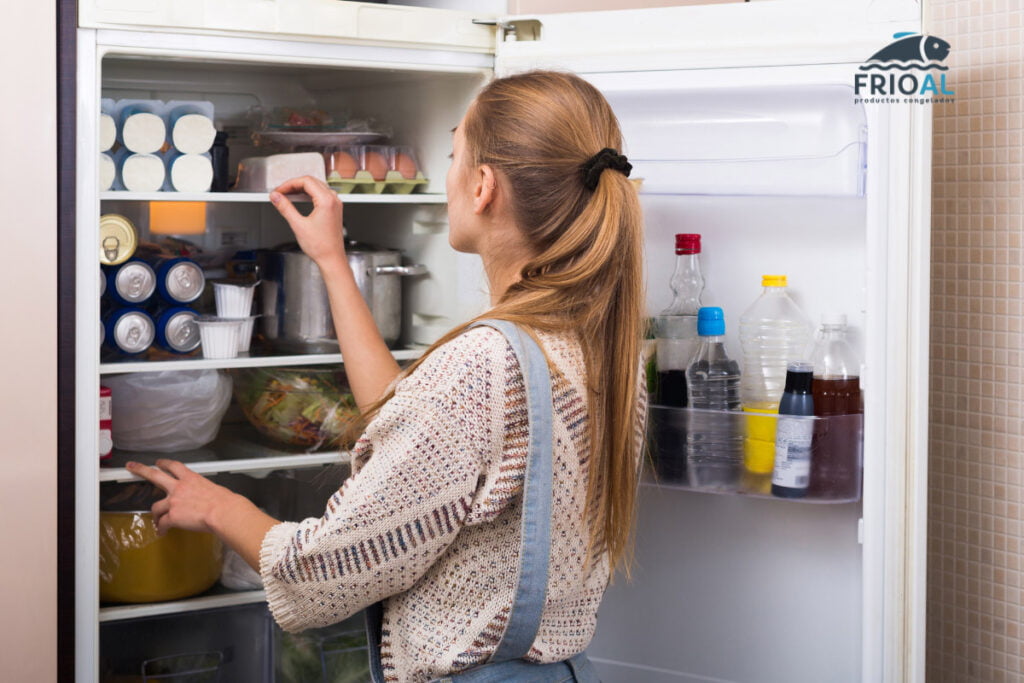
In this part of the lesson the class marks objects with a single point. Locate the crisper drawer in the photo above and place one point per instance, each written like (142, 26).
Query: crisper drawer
(356, 22)
(231, 644)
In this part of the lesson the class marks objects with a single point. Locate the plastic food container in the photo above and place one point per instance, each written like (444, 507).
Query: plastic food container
(372, 168)
(263, 174)
(304, 407)
(245, 334)
(219, 336)
(136, 565)
(234, 300)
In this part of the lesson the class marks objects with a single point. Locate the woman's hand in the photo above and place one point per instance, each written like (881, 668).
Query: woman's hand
(320, 234)
(192, 501)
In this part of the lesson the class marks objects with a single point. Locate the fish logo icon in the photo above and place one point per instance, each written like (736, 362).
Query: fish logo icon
(910, 51)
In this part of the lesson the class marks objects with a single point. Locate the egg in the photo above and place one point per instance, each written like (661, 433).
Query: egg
(376, 163)
(344, 164)
(405, 165)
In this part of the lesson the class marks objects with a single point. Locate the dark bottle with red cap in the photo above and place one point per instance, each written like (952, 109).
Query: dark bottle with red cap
(675, 333)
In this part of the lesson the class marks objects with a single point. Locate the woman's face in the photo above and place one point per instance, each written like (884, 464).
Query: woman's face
(459, 186)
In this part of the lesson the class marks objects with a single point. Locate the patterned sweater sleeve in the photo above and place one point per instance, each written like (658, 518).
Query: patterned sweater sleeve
(417, 468)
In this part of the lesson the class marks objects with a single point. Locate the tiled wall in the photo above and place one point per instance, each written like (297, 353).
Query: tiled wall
(975, 627)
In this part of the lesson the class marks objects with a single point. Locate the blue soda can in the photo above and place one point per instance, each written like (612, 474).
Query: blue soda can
(176, 329)
(131, 283)
(179, 280)
(129, 330)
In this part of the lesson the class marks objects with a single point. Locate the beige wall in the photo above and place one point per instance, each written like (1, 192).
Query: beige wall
(28, 344)
(548, 6)
(975, 569)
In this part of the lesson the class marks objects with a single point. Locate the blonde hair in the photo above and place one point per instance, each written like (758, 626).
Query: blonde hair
(537, 129)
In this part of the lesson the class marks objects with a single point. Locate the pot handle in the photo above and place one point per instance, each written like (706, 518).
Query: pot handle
(417, 269)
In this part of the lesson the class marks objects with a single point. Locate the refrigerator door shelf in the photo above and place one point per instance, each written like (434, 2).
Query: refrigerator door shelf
(679, 440)
(351, 22)
(745, 140)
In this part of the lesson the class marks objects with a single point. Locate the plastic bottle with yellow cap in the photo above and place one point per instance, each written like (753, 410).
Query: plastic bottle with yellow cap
(773, 332)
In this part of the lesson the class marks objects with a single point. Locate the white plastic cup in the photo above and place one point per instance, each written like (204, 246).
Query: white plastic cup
(233, 301)
(188, 172)
(245, 334)
(219, 337)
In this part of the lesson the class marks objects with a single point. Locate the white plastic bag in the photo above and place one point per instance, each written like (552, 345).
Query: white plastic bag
(237, 575)
(167, 411)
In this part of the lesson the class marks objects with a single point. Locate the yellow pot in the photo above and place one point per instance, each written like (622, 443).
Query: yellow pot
(136, 565)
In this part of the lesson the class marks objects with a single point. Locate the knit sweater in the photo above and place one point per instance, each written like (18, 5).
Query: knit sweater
(429, 521)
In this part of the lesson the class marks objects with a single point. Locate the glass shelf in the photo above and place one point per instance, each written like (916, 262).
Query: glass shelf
(215, 597)
(732, 453)
(264, 197)
(166, 361)
(237, 449)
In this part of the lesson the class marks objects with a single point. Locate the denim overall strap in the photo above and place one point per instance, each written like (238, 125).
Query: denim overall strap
(535, 543)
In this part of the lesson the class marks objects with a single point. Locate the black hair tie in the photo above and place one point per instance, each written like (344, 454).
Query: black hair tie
(592, 169)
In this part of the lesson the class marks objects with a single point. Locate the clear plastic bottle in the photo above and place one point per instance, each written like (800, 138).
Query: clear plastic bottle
(675, 329)
(835, 471)
(714, 444)
(773, 332)
(675, 334)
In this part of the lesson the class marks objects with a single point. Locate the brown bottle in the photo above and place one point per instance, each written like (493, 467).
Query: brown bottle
(836, 445)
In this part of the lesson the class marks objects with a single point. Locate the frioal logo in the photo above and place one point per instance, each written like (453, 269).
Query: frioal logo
(909, 69)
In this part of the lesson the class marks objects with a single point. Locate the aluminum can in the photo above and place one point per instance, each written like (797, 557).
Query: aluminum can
(130, 330)
(103, 283)
(179, 280)
(131, 283)
(106, 425)
(118, 239)
(176, 329)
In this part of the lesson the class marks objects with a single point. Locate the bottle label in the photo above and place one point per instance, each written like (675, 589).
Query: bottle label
(793, 453)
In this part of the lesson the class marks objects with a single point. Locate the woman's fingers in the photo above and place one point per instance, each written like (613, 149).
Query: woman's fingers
(317, 189)
(285, 207)
(157, 477)
(175, 467)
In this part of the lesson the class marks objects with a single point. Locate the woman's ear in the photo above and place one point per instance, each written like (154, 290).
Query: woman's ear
(485, 190)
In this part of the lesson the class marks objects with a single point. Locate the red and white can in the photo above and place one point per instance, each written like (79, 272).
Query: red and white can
(106, 433)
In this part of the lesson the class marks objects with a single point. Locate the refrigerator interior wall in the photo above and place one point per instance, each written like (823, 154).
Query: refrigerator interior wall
(730, 588)
(414, 107)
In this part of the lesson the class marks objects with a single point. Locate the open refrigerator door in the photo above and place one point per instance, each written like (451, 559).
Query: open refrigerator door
(743, 125)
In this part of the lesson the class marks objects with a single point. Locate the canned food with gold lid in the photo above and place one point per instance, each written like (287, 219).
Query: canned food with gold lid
(118, 239)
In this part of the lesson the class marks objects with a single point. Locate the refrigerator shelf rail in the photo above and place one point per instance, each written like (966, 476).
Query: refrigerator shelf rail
(264, 197)
(251, 466)
(217, 597)
(241, 361)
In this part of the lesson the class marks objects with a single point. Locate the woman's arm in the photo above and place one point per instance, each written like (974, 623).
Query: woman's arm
(195, 503)
(369, 365)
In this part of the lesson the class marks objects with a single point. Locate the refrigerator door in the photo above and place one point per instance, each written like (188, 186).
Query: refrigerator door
(734, 589)
(722, 35)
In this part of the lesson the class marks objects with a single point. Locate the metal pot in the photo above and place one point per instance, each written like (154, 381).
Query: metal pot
(295, 308)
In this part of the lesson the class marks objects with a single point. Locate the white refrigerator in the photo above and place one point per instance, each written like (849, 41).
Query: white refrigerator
(741, 119)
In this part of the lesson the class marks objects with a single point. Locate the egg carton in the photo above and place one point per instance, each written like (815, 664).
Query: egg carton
(364, 182)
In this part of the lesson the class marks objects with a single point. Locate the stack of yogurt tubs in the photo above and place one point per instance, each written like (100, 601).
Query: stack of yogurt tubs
(229, 332)
(151, 145)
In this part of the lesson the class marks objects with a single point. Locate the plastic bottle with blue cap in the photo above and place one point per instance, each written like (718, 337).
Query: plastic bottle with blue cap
(714, 440)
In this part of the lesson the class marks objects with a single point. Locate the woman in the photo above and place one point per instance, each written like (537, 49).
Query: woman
(429, 522)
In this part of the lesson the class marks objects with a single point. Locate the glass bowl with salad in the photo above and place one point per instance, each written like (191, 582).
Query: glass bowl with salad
(306, 408)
